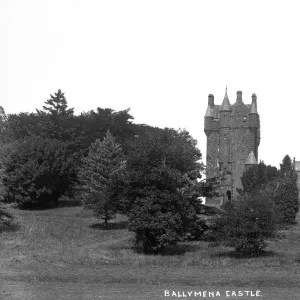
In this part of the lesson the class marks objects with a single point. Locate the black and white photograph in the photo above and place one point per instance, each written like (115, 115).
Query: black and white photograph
(149, 149)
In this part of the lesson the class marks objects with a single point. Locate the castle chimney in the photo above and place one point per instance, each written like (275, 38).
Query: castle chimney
(239, 96)
(211, 100)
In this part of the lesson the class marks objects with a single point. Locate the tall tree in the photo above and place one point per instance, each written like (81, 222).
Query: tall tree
(56, 118)
(287, 194)
(257, 177)
(286, 167)
(103, 167)
(249, 180)
(161, 187)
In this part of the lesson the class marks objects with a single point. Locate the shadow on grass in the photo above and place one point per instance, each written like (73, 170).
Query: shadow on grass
(239, 255)
(50, 205)
(111, 226)
(9, 228)
(179, 249)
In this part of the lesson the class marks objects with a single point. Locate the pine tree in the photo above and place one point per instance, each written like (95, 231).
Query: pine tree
(57, 105)
(56, 119)
(286, 167)
(103, 167)
(249, 180)
(287, 194)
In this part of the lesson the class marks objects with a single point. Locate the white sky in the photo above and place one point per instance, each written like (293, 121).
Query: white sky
(160, 58)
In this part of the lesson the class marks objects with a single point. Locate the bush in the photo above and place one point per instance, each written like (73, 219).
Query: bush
(162, 189)
(197, 231)
(248, 223)
(37, 170)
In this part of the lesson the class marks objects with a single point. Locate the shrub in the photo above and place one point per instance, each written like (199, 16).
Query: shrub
(197, 231)
(37, 170)
(248, 223)
(5, 217)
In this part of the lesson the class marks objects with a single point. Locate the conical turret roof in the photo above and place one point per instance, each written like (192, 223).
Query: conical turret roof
(253, 109)
(209, 112)
(251, 160)
(225, 105)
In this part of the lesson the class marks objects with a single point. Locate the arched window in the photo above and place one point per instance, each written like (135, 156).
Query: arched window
(228, 194)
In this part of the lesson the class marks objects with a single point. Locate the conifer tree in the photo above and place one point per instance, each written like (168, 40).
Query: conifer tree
(56, 118)
(287, 194)
(286, 167)
(103, 167)
(249, 180)
(57, 105)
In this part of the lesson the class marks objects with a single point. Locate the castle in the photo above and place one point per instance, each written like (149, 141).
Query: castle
(233, 137)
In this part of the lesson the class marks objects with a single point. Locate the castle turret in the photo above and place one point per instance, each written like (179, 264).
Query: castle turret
(209, 115)
(225, 113)
(254, 123)
(251, 160)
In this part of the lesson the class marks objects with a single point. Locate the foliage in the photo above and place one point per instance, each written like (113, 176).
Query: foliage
(286, 198)
(248, 223)
(213, 186)
(161, 191)
(286, 167)
(197, 231)
(99, 176)
(5, 217)
(257, 177)
(37, 170)
(56, 119)
(249, 180)
(93, 125)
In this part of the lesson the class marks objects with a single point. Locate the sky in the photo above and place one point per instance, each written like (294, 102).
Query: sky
(159, 58)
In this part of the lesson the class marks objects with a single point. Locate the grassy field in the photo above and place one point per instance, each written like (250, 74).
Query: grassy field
(64, 253)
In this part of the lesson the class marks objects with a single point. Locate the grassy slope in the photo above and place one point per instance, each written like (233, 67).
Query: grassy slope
(65, 245)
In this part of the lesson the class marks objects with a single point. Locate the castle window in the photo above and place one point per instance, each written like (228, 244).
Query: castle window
(228, 194)
(245, 118)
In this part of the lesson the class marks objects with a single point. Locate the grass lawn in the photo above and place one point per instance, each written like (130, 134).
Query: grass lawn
(64, 253)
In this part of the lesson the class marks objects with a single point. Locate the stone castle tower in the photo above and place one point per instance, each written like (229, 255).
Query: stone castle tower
(233, 137)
